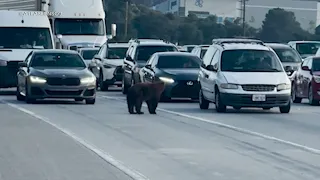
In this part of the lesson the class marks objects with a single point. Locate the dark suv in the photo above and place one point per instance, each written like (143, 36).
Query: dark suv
(138, 54)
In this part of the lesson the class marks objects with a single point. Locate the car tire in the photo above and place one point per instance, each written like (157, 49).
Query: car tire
(90, 101)
(203, 103)
(294, 97)
(285, 109)
(312, 101)
(102, 84)
(19, 96)
(124, 86)
(27, 97)
(220, 107)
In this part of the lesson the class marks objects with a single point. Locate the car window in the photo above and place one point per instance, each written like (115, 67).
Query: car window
(209, 55)
(250, 61)
(54, 60)
(203, 52)
(316, 64)
(143, 53)
(116, 52)
(190, 48)
(88, 54)
(287, 55)
(178, 62)
(307, 48)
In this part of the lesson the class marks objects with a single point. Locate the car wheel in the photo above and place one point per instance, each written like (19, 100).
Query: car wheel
(19, 96)
(285, 109)
(220, 107)
(102, 84)
(294, 97)
(203, 103)
(124, 86)
(90, 101)
(312, 101)
(27, 98)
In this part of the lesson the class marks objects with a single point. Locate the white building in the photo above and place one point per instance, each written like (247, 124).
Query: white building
(223, 9)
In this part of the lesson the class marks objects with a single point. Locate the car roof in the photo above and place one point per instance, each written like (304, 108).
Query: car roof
(278, 45)
(118, 45)
(239, 46)
(304, 42)
(174, 54)
(55, 51)
(154, 43)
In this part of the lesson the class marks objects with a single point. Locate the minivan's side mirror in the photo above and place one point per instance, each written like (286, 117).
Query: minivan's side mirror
(129, 58)
(97, 57)
(305, 68)
(22, 64)
(211, 68)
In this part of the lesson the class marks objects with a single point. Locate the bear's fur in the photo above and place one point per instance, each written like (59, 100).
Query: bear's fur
(148, 92)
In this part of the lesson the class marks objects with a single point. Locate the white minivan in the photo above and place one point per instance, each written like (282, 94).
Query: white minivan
(243, 73)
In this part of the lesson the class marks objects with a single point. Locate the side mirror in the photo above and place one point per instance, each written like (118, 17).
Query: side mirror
(211, 68)
(288, 68)
(22, 64)
(59, 36)
(97, 57)
(129, 58)
(305, 68)
(148, 66)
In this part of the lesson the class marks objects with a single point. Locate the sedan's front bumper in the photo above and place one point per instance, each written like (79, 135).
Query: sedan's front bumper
(36, 91)
(182, 89)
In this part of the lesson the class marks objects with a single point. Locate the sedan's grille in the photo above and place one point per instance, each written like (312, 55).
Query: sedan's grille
(64, 93)
(258, 87)
(63, 81)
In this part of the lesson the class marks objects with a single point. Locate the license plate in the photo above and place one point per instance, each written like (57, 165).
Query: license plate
(258, 97)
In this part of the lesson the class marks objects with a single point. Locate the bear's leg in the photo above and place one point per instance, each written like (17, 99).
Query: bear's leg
(150, 106)
(154, 105)
(139, 105)
(131, 103)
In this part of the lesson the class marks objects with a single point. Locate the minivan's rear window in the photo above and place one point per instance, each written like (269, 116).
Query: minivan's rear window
(250, 61)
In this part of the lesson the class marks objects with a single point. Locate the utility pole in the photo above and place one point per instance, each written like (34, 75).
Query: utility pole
(126, 20)
(244, 17)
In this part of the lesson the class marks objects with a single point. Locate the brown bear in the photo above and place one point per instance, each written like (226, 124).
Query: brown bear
(148, 92)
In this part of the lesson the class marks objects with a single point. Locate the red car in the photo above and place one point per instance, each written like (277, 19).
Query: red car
(306, 83)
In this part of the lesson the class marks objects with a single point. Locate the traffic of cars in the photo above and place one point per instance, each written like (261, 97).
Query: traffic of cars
(239, 73)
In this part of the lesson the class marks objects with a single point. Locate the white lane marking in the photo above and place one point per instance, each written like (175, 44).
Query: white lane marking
(108, 158)
(234, 128)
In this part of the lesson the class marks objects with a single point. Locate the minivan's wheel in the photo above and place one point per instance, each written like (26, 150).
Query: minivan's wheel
(312, 101)
(19, 96)
(294, 97)
(203, 103)
(102, 84)
(90, 101)
(285, 109)
(124, 86)
(220, 107)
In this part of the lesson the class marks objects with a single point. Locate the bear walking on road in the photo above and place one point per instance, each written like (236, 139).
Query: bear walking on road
(148, 92)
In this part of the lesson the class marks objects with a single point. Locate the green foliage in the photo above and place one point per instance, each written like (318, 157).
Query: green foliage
(279, 26)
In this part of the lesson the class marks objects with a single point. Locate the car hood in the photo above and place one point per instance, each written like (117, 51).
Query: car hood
(295, 65)
(54, 72)
(317, 73)
(181, 74)
(115, 62)
(270, 78)
(86, 41)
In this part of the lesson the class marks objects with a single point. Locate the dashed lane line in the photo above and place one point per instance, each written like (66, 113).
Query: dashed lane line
(108, 158)
(234, 128)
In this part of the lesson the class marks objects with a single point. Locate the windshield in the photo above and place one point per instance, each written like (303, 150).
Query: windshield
(250, 61)
(88, 54)
(25, 38)
(316, 64)
(57, 60)
(190, 48)
(116, 52)
(178, 62)
(145, 52)
(79, 27)
(308, 48)
(203, 52)
(288, 55)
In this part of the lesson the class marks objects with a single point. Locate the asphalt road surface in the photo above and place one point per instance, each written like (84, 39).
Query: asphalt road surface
(69, 140)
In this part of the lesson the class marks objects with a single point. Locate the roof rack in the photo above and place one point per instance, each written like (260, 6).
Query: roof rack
(240, 40)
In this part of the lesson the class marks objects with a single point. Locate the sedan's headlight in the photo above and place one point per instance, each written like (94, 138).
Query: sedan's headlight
(316, 78)
(38, 80)
(229, 86)
(166, 80)
(281, 87)
(88, 80)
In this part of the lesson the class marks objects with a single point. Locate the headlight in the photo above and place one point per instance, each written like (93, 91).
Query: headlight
(281, 87)
(88, 80)
(166, 80)
(36, 79)
(229, 86)
(316, 78)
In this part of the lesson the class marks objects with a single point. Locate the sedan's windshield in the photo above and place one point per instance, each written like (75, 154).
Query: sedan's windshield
(316, 64)
(25, 38)
(287, 55)
(88, 54)
(57, 60)
(308, 48)
(79, 27)
(116, 52)
(145, 52)
(250, 61)
(178, 62)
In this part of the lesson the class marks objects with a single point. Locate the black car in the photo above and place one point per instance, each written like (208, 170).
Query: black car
(179, 70)
(55, 74)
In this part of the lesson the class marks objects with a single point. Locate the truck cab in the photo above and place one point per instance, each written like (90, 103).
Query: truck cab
(77, 22)
(20, 33)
